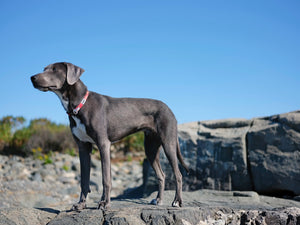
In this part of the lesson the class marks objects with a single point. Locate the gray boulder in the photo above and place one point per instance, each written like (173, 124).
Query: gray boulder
(261, 154)
(274, 154)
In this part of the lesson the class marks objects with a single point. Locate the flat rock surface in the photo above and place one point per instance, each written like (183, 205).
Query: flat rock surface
(200, 207)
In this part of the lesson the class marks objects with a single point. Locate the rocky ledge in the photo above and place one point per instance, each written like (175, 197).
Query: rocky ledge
(259, 154)
(201, 207)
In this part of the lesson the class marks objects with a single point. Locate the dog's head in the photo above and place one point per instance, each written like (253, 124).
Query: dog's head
(56, 75)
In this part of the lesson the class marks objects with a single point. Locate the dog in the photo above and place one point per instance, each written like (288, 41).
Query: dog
(101, 120)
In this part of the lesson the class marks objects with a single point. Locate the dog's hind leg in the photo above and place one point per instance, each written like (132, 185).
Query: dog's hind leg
(152, 145)
(85, 161)
(171, 153)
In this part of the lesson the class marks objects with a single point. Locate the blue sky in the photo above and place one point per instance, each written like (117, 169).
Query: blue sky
(205, 59)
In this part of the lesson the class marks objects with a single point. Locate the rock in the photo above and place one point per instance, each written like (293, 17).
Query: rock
(85, 217)
(201, 207)
(36, 176)
(215, 152)
(261, 154)
(274, 156)
(76, 165)
(26, 216)
(279, 216)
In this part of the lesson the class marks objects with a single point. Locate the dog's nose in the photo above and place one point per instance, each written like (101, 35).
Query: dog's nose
(33, 78)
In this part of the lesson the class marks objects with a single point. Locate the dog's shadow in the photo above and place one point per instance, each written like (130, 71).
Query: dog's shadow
(137, 201)
(116, 202)
(133, 196)
(49, 210)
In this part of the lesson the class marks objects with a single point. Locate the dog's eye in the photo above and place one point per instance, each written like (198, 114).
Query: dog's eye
(54, 69)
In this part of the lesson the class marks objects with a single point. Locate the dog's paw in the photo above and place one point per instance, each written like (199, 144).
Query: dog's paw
(156, 201)
(177, 204)
(103, 205)
(78, 206)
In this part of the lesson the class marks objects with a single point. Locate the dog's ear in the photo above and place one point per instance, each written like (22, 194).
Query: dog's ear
(73, 73)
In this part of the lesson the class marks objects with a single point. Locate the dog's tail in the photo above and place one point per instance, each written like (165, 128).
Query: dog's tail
(180, 158)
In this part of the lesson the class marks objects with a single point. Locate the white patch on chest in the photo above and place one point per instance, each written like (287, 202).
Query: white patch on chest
(80, 132)
(64, 103)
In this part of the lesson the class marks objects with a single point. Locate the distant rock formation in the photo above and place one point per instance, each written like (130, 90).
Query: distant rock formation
(261, 154)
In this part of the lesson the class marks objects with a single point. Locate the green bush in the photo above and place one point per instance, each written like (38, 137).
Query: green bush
(49, 137)
(39, 134)
(8, 127)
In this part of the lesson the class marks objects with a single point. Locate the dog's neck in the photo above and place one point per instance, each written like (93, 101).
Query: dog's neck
(71, 95)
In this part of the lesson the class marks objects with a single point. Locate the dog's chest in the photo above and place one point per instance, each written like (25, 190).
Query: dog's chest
(64, 103)
(80, 131)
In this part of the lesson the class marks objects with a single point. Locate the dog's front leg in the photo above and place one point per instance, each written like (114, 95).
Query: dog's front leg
(85, 161)
(106, 175)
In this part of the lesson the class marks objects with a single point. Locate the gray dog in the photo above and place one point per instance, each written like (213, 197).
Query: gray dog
(101, 120)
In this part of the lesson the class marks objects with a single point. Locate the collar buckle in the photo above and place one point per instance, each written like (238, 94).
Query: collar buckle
(83, 101)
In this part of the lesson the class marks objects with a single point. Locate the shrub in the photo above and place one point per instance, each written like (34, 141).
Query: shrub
(131, 143)
(8, 125)
(50, 136)
(39, 134)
